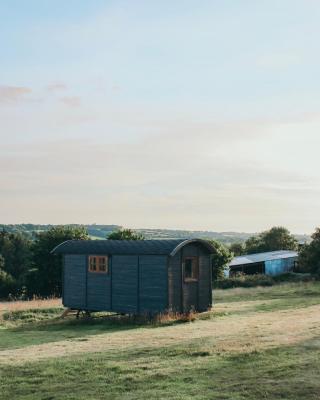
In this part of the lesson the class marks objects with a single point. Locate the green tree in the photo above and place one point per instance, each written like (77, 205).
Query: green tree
(7, 285)
(237, 249)
(15, 249)
(220, 259)
(254, 245)
(125, 234)
(309, 256)
(277, 238)
(45, 278)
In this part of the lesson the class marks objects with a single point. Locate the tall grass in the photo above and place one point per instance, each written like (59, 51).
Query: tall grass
(249, 281)
(10, 306)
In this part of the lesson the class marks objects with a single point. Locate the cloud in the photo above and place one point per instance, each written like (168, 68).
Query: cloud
(71, 101)
(13, 94)
(245, 175)
(57, 86)
(278, 60)
(115, 88)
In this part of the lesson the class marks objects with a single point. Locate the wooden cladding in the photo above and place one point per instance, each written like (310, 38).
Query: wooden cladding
(190, 269)
(98, 264)
(101, 280)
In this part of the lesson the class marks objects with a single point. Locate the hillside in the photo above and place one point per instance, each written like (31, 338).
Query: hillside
(102, 231)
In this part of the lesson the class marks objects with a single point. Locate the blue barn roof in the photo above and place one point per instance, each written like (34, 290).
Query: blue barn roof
(127, 247)
(262, 257)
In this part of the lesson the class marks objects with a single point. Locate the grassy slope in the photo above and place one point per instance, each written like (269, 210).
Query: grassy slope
(31, 327)
(25, 328)
(191, 369)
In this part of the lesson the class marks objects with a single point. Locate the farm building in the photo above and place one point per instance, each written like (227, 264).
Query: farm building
(270, 263)
(136, 277)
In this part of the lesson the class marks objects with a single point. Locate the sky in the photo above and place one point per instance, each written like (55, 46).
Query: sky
(201, 115)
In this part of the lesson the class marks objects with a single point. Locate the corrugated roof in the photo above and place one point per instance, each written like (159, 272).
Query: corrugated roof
(261, 257)
(126, 247)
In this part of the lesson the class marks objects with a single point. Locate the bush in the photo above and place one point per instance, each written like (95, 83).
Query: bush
(293, 277)
(220, 259)
(31, 315)
(248, 281)
(125, 234)
(242, 280)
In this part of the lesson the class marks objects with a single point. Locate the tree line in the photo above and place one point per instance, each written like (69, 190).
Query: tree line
(27, 267)
(277, 238)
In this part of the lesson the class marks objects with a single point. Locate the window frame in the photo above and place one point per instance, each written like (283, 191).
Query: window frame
(97, 258)
(195, 268)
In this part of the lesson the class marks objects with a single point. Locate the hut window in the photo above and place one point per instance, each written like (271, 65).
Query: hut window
(191, 270)
(98, 264)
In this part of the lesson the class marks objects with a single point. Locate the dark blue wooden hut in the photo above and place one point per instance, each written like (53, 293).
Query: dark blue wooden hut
(136, 277)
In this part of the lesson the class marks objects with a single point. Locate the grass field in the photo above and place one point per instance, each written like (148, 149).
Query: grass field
(259, 343)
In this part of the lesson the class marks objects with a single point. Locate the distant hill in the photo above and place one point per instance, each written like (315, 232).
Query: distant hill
(102, 231)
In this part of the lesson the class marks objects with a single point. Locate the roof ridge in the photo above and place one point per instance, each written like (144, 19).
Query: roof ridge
(134, 247)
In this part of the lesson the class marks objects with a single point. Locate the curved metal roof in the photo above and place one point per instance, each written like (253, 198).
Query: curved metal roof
(262, 257)
(127, 247)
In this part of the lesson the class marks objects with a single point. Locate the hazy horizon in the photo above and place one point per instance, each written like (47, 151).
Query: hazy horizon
(170, 115)
(148, 228)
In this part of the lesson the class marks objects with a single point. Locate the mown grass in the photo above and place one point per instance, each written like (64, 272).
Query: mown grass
(280, 297)
(30, 327)
(191, 371)
(36, 326)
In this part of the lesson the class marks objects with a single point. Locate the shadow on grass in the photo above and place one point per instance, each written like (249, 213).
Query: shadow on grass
(32, 327)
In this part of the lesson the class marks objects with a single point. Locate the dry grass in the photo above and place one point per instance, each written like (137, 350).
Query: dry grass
(169, 317)
(256, 344)
(9, 306)
(233, 334)
(244, 320)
